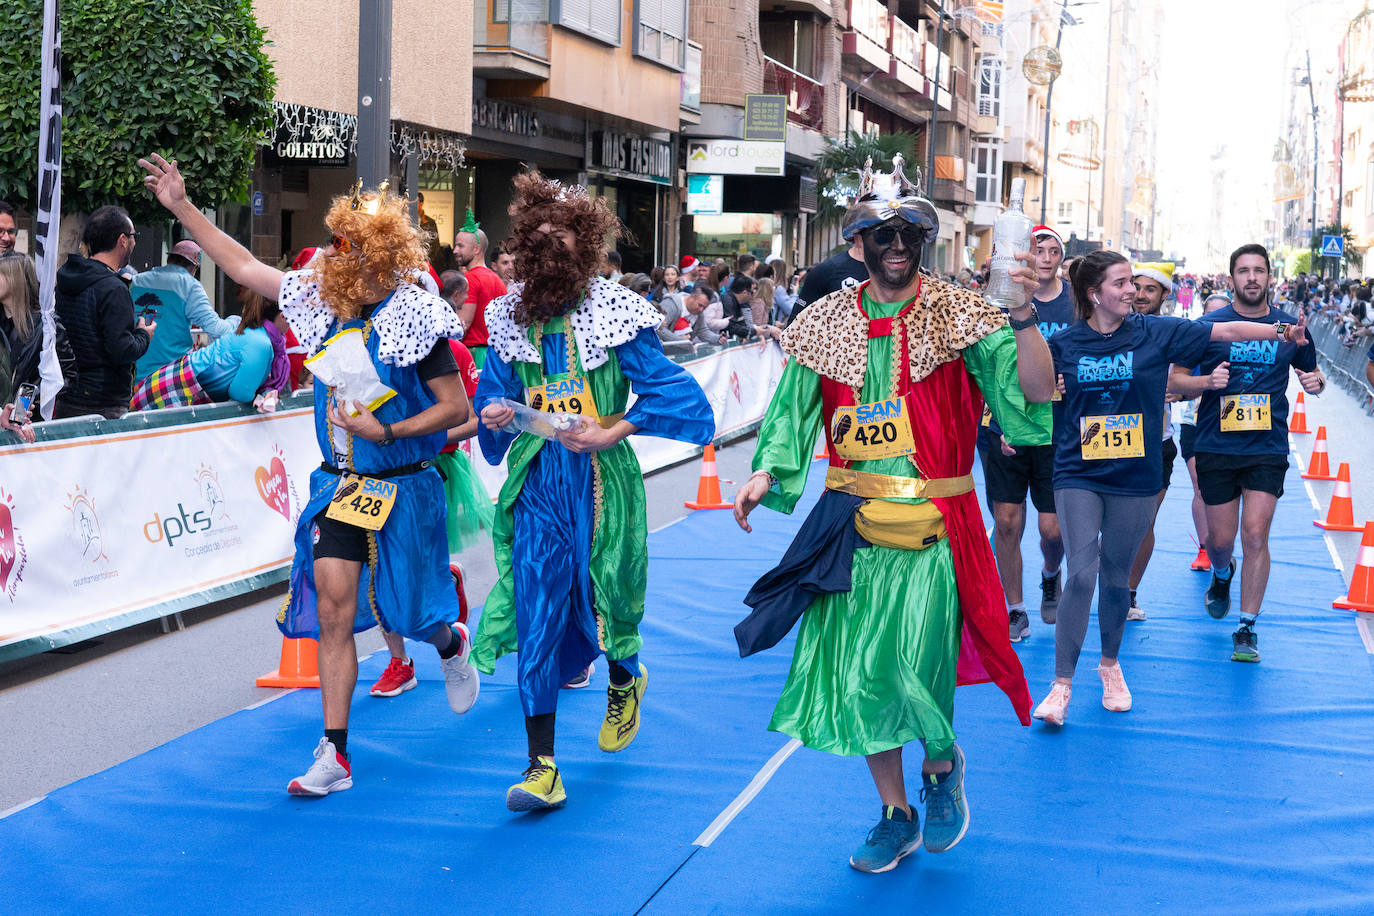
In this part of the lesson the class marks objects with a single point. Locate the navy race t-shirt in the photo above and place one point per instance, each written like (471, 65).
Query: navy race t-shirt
(1115, 385)
(1258, 367)
(1055, 315)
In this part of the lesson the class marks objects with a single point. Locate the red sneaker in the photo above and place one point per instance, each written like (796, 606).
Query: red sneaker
(457, 572)
(398, 677)
(1201, 563)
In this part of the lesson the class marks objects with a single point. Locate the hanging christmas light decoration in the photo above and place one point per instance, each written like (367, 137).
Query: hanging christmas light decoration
(1042, 65)
(1357, 73)
(1081, 152)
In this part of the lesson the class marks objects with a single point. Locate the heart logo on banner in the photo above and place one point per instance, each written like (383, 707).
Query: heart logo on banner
(9, 547)
(272, 487)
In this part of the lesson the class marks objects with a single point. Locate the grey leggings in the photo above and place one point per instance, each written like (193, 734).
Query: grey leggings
(1102, 533)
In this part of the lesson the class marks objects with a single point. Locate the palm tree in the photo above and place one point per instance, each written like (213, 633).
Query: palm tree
(842, 160)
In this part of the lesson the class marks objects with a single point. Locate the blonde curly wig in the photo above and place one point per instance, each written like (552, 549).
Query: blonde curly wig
(386, 248)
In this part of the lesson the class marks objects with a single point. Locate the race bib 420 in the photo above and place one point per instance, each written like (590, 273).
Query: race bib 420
(867, 432)
(1245, 413)
(571, 395)
(1112, 436)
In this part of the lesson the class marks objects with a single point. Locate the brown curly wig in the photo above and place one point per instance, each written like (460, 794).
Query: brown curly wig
(554, 276)
(385, 246)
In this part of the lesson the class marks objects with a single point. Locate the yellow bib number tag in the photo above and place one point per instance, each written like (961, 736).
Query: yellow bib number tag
(987, 416)
(363, 502)
(867, 432)
(1113, 436)
(571, 395)
(1241, 413)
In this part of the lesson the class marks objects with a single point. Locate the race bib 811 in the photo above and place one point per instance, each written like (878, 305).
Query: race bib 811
(867, 432)
(1245, 413)
(1112, 436)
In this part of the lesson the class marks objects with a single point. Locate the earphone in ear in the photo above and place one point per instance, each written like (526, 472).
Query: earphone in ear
(1096, 301)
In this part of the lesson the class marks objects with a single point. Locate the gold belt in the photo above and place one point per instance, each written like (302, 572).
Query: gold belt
(886, 486)
(612, 420)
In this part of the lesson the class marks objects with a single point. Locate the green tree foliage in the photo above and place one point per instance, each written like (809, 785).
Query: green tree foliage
(187, 79)
(840, 162)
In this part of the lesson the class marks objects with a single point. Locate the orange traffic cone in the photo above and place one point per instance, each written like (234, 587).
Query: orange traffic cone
(1361, 594)
(822, 452)
(1299, 422)
(299, 665)
(708, 488)
(1341, 515)
(1319, 468)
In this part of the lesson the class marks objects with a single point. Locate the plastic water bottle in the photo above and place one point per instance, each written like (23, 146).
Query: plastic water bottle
(1010, 234)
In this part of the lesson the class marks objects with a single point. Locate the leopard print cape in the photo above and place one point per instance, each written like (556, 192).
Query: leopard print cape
(831, 336)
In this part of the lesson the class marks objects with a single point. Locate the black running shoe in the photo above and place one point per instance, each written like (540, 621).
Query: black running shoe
(1049, 597)
(1244, 645)
(1218, 597)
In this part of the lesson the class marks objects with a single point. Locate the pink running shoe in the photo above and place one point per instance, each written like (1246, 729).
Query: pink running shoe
(1116, 697)
(1053, 707)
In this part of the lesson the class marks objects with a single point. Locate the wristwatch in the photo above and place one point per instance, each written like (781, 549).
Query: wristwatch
(1032, 321)
(1281, 329)
(387, 437)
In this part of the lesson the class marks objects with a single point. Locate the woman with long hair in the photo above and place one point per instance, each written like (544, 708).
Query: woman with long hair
(1113, 366)
(21, 330)
(671, 282)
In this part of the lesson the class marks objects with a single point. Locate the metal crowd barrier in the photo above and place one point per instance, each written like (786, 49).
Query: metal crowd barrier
(1343, 365)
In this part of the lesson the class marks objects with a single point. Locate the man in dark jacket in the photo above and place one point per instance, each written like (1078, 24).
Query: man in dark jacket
(94, 304)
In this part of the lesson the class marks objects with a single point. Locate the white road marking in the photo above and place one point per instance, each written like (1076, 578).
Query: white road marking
(1335, 557)
(276, 696)
(20, 807)
(1363, 622)
(761, 778)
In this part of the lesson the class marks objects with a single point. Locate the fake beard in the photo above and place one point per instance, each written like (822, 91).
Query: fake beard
(554, 277)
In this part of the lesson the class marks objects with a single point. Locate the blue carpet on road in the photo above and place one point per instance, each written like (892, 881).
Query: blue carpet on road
(1227, 787)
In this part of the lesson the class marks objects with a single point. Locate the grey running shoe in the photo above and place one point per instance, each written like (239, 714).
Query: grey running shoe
(1135, 612)
(896, 836)
(582, 679)
(1049, 596)
(946, 807)
(1218, 596)
(329, 773)
(461, 682)
(1020, 625)
(1244, 645)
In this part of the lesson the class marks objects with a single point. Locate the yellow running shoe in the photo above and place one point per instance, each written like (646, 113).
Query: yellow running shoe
(622, 713)
(541, 788)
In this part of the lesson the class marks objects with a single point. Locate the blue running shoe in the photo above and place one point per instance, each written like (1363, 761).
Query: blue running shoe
(946, 807)
(896, 836)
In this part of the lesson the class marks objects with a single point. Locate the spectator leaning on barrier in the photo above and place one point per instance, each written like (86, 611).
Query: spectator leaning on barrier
(173, 296)
(94, 304)
(687, 316)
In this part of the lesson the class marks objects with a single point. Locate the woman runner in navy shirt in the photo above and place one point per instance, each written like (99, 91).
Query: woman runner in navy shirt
(1113, 367)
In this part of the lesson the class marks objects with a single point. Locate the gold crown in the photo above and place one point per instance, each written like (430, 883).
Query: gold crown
(356, 201)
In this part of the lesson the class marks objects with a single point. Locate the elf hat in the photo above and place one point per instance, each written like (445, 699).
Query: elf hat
(1161, 272)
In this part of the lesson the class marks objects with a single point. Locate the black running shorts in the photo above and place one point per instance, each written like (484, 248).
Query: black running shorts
(1170, 453)
(1221, 478)
(1008, 477)
(1187, 435)
(339, 539)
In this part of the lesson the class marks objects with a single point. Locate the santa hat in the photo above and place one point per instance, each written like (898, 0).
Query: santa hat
(688, 264)
(305, 257)
(1161, 272)
(1045, 232)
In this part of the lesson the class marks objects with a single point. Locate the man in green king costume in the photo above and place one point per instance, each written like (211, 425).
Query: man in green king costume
(891, 575)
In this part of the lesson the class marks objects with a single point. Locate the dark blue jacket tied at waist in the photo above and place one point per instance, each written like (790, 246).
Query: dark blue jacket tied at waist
(820, 560)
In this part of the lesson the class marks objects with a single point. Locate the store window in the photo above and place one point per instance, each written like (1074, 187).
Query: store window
(599, 19)
(661, 31)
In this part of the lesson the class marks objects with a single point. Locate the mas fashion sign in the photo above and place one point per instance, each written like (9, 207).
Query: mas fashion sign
(106, 531)
(630, 156)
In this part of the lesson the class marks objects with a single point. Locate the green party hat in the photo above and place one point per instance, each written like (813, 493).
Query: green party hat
(471, 225)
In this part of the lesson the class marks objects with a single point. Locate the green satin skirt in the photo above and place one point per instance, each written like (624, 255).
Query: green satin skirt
(874, 668)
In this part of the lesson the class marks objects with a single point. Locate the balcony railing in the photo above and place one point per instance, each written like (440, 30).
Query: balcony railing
(805, 96)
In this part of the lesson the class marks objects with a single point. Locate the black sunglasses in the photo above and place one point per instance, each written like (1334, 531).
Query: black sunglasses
(913, 236)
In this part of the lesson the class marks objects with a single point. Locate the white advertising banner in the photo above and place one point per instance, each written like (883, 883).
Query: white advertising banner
(736, 157)
(101, 532)
(100, 528)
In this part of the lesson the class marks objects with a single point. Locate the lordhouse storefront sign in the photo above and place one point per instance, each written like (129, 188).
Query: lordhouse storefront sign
(736, 157)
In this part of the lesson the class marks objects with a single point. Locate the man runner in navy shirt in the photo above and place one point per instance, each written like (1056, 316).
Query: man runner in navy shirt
(1009, 471)
(1242, 441)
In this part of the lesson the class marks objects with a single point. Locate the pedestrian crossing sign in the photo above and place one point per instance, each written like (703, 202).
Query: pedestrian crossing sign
(1333, 246)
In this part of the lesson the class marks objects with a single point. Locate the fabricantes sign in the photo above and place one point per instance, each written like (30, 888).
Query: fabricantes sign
(505, 118)
(727, 156)
(314, 137)
(630, 156)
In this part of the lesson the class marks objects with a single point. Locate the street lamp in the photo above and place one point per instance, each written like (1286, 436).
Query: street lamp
(1316, 152)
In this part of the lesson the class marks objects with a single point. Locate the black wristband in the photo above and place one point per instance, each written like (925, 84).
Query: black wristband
(1030, 322)
(387, 437)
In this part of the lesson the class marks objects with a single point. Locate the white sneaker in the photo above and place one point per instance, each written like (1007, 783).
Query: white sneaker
(1135, 612)
(329, 773)
(1054, 706)
(461, 682)
(1116, 696)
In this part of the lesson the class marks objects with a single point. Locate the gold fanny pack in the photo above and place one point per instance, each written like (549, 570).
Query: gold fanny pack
(887, 486)
(903, 526)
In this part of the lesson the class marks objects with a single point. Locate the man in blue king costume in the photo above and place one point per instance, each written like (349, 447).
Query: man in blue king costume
(371, 544)
(891, 575)
(570, 530)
